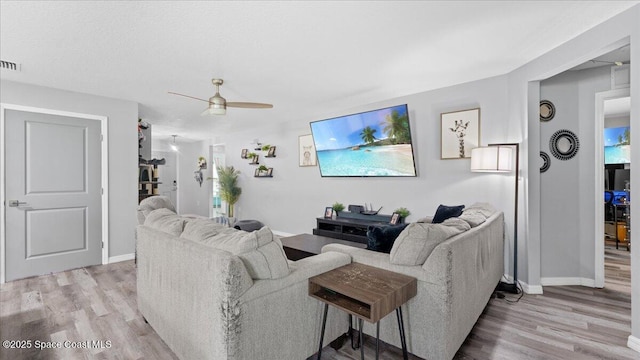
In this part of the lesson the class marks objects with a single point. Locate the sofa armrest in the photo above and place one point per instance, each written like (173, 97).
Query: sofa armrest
(376, 259)
(301, 271)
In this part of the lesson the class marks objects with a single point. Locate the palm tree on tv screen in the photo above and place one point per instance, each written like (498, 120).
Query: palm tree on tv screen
(367, 135)
(397, 128)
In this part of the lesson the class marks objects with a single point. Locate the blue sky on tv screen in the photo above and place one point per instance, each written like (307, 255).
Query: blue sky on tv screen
(611, 135)
(343, 132)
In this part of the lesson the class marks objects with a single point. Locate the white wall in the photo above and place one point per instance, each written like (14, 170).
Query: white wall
(566, 189)
(123, 150)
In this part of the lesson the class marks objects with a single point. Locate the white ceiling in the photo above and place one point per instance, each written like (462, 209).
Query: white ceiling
(307, 58)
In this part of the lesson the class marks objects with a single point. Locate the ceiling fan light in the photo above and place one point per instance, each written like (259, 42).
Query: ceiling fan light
(214, 109)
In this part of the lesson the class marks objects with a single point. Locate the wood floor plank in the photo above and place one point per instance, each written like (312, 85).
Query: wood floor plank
(99, 303)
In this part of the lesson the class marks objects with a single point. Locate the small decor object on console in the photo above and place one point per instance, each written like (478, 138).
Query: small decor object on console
(459, 133)
(337, 207)
(328, 212)
(394, 218)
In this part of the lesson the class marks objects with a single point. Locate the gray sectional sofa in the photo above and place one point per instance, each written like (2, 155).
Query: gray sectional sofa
(464, 263)
(213, 292)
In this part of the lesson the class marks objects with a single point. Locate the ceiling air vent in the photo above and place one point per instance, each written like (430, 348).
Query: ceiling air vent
(9, 65)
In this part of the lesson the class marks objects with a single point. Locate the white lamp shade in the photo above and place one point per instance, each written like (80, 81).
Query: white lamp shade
(491, 159)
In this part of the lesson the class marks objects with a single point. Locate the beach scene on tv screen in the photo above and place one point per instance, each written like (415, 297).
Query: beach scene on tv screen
(374, 143)
(617, 148)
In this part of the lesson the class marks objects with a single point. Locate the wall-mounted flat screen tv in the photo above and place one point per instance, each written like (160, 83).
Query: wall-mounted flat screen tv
(372, 143)
(617, 148)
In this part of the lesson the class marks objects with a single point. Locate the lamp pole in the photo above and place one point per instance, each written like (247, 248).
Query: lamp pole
(513, 288)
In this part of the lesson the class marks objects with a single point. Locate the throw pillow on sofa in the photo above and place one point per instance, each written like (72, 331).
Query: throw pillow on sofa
(165, 220)
(416, 242)
(381, 238)
(445, 212)
(261, 252)
(200, 229)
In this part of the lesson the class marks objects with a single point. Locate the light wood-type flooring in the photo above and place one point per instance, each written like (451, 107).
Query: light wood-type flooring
(99, 303)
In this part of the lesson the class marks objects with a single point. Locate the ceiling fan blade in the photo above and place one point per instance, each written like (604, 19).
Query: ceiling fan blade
(249, 105)
(191, 97)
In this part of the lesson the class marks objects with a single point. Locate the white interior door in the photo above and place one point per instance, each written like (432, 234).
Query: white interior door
(53, 191)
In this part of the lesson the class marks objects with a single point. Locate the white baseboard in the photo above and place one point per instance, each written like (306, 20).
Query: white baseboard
(633, 343)
(531, 289)
(125, 257)
(566, 281)
(528, 289)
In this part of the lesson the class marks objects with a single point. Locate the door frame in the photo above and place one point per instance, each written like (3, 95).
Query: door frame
(104, 127)
(599, 179)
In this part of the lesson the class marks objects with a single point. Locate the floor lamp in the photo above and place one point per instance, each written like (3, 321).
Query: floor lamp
(496, 158)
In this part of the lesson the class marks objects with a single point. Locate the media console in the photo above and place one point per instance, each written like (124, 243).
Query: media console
(349, 226)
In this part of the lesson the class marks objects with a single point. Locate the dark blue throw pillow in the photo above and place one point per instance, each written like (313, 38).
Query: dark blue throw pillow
(381, 238)
(444, 212)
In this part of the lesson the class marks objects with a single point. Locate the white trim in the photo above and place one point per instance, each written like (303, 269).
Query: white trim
(633, 343)
(599, 180)
(531, 289)
(119, 258)
(567, 281)
(104, 181)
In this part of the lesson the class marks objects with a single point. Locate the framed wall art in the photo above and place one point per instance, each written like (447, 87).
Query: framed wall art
(459, 133)
(307, 151)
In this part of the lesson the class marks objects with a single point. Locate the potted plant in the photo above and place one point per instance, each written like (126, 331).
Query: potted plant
(337, 207)
(266, 147)
(229, 189)
(403, 212)
(251, 155)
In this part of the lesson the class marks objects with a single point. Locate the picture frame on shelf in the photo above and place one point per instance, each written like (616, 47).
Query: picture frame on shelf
(459, 133)
(257, 173)
(270, 172)
(271, 152)
(395, 217)
(306, 151)
(328, 212)
(254, 160)
(244, 153)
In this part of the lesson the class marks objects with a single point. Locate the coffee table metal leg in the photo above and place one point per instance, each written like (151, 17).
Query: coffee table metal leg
(377, 338)
(324, 323)
(360, 325)
(403, 340)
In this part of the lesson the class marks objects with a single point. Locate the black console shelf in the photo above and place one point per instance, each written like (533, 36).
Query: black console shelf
(349, 229)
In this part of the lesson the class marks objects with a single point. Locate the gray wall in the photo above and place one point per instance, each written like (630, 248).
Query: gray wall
(123, 150)
(291, 200)
(567, 188)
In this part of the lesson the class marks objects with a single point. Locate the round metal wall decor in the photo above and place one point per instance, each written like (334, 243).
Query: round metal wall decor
(564, 144)
(546, 161)
(547, 110)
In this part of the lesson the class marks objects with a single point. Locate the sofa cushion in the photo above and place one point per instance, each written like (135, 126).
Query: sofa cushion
(414, 245)
(201, 229)
(416, 242)
(477, 213)
(165, 220)
(444, 212)
(260, 251)
(151, 203)
(381, 238)
(426, 219)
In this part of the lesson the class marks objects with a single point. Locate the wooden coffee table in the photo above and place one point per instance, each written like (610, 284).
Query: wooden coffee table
(367, 292)
(304, 245)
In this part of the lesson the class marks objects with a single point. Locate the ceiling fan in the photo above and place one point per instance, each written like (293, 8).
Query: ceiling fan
(218, 104)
